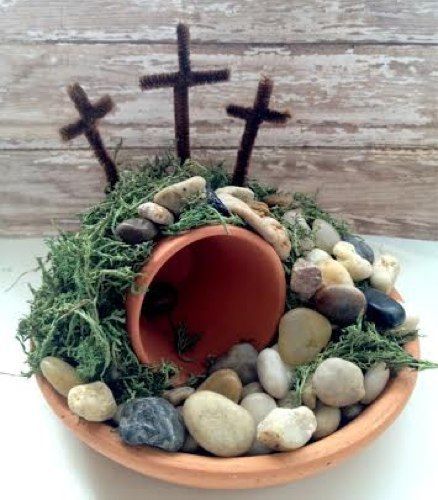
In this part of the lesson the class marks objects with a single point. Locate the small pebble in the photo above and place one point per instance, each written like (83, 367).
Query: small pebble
(328, 419)
(326, 235)
(93, 402)
(361, 246)
(385, 271)
(308, 394)
(118, 414)
(273, 374)
(60, 375)
(156, 213)
(242, 358)
(178, 395)
(252, 388)
(175, 197)
(317, 256)
(219, 425)
(215, 202)
(341, 304)
(334, 273)
(283, 200)
(350, 412)
(135, 231)
(242, 193)
(225, 382)
(303, 333)
(286, 430)
(190, 445)
(338, 382)
(305, 279)
(152, 421)
(375, 380)
(385, 312)
(258, 405)
(358, 267)
(291, 400)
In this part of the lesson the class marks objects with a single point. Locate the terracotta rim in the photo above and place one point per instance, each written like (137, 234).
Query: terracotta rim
(244, 472)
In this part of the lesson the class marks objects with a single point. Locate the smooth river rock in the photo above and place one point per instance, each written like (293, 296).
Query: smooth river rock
(334, 273)
(259, 406)
(286, 430)
(219, 425)
(273, 373)
(305, 279)
(382, 310)
(135, 231)
(252, 388)
(225, 382)
(60, 375)
(93, 402)
(338, 382)
(303, 333)
(350, 412)
(242, 193)
(326, 235)
(152, 421)
(291, 400)
(242, 358)
(156, 213)
(358, 267)
(376, 378)
(178, 395)
(361, 246)
(328, 419)
(341, 304)
(175, 197)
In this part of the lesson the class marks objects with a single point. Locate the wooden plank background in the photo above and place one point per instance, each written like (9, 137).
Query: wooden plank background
(360, 78)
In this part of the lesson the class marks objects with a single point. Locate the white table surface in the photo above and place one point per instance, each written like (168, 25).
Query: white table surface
(42, 459)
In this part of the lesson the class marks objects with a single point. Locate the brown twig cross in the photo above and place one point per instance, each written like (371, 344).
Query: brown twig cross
(254, 117)
(181, 81)
(87, 125)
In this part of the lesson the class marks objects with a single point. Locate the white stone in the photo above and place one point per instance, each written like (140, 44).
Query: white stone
(252, 388)
(338, 382)
(326, 235)
(375, 380)
(156, 213)
(242, 193)
(328, 419)
(175, 197)
(93, 402)
(60, 375)
(258, 405)
(273, 374)
(286, 430)
(358, 267)
(219, 425)
(385, 271)
(316, 256)
(268, 228)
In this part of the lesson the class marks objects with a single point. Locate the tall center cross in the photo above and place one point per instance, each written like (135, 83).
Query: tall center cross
(87, 125)
(181, 81)
(254, 117)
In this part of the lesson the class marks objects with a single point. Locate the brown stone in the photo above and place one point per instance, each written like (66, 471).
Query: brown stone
(225, 382)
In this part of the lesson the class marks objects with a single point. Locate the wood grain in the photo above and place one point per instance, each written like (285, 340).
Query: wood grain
(213, 21)
(340, 96)
(381, 192)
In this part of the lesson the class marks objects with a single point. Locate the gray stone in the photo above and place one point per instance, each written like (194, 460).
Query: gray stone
(326, 235)
(291, 400)
(361, 246)
(135, 231)
(341, 304)
(376, 378)
(350, 412)
(259, 405)
(190, 445)
(152, 421)
(328, 419)
(382, 310)
(242, 358)
(252, 388)
(178, 395)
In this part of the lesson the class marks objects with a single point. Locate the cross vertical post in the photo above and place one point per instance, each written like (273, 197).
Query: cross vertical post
(253, 117)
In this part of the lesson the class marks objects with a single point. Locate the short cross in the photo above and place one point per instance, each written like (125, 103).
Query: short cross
(181, 81)
(87, 125)
(254, 116)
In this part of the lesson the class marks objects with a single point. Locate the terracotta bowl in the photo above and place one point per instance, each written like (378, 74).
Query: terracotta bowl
(244, 472)
(230, 286)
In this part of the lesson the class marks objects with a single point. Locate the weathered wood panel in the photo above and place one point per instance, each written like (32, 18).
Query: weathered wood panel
(382, 192)
(368, 96)
(241, 21)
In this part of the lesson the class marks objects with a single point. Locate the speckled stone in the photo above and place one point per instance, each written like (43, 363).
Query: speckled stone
(385, 312)
(175, 197)
(135, 231)
(155, 213)
(152, 421)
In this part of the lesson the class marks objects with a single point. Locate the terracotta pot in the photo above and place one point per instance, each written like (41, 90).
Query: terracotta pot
(244, 472)
(231, 288)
